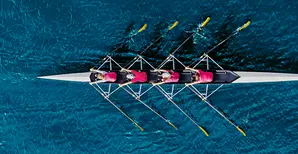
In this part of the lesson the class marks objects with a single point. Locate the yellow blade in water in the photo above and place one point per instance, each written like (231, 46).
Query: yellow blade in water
(245, 25)
(174, 25)
(205, 132)
(205, 22)
(241, 130)
(142, 28)
(139, 127)
(173, 125)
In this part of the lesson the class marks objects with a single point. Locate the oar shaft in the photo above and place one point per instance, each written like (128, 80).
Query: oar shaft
(214, 48)
(119, 109)
(182, 44)
(221, 114)
(166, 120)
(233, 34)
(220, 43)
(199, 29)
(139, 31)
(202, 97)
(151, 44)
(169, 29)
(144, 103)
(201, 128)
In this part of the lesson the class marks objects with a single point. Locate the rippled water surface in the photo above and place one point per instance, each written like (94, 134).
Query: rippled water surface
(40, 37)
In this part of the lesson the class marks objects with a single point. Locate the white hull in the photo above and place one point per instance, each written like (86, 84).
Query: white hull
(256, 77)
(77, 77)
(245, 77)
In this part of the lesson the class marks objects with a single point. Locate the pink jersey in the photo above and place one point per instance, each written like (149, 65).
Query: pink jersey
(139, 76)
(205, 76)
(110, 77)
(174, 77)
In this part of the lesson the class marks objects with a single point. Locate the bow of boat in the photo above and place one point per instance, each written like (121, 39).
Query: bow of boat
(257, 77)
(76, 77)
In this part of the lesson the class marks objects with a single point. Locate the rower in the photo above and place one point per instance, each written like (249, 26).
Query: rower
(200, 76)
(168, 76)
(103, 76)
(134, 76)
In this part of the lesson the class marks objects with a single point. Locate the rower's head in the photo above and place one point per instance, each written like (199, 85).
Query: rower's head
(99, 76)
(197, 77)
(166, 75)
(130, 76)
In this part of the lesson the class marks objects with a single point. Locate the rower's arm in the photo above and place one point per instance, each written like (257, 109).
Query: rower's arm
(192, 69)
(192, 83)
(98, 71)
(124, 69)
(160, 70)
(99, 81)
(158, 83)
(124, 84)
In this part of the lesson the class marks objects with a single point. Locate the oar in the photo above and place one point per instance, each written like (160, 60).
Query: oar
(199, 27)
(163, 35)
(204, 100)
(200, 127)
(138, 99)
(133, 121)
(233, 34)
(139, 31)
(169, 29)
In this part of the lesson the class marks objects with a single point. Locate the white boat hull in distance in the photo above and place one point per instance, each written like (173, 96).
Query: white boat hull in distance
(76, 77)
(257, 77)
(245, 77)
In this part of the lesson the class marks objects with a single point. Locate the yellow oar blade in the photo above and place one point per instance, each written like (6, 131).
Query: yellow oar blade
(245, 25)
(205, 22)
(139, 127)
(142, 28)
(173, 125)
(174, 25)
(203, 130)
(241, 130)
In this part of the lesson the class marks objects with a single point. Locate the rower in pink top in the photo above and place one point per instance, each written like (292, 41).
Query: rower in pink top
(138, 76)
(204, 77)
(201, 76)
(168, 76)
(134, 76)
(103, 76)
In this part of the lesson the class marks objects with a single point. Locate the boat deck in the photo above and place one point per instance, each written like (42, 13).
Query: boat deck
(186, 76)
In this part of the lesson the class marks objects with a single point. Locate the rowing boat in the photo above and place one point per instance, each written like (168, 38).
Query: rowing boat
(221, 77)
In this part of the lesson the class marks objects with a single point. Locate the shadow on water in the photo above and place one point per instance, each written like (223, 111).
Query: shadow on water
(154, 51)
(226, 55)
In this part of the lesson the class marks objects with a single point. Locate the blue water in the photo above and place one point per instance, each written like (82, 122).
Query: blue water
(50, 37)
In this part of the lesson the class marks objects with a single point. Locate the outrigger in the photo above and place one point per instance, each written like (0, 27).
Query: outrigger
(186, 77)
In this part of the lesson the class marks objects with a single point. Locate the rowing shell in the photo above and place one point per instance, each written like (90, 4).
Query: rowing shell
(221, 77)
(239, 76)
